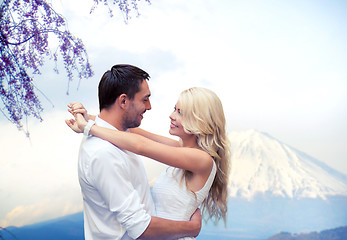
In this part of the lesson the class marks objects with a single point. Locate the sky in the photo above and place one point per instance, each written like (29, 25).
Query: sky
(278, 67)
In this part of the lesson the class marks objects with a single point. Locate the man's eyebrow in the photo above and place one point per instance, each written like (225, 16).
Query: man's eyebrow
(147, 96)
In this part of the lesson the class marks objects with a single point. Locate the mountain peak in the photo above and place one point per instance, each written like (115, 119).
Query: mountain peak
(262, 164)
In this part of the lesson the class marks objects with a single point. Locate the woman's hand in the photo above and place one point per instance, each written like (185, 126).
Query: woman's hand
(77, 107)
(73, 125)
(78, 124)
(81, 117)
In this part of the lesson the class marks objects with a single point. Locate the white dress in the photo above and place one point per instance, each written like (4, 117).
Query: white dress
(173, 200)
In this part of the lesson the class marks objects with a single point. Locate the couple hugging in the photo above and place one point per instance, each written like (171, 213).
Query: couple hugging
(117, 200)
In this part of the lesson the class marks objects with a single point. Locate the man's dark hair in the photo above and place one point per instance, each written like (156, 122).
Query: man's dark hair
(122, 78)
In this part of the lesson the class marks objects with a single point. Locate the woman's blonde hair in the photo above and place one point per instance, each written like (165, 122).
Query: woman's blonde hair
(203, 116)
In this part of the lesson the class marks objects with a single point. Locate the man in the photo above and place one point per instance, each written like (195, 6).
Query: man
(116, 196)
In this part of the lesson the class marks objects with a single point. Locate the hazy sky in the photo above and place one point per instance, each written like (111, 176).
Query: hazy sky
(278, 67)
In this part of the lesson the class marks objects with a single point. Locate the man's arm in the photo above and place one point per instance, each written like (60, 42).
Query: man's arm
(160, 228)
(110, 175)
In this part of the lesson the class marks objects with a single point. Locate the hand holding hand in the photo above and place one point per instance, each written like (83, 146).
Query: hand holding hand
(77, 107)
(78, 124)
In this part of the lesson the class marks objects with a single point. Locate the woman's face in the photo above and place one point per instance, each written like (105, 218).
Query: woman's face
(176, 127)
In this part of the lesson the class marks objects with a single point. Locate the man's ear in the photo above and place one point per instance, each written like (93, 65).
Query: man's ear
(123, 101)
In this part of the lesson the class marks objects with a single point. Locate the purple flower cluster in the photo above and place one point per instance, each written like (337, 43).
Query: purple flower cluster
(124, 6)
(25, 26)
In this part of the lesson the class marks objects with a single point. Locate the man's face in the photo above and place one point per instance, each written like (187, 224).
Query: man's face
(138, 106)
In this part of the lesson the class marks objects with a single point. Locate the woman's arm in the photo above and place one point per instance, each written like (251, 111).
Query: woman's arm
(92, 117)
(155, 137)
(192, 159)
(77, 107)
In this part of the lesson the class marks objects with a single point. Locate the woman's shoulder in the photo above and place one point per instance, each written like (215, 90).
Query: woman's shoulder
(206, 160)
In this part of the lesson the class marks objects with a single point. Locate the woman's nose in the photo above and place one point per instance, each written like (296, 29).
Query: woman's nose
(172, 116)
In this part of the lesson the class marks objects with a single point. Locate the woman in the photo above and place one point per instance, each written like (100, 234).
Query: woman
(198, 176)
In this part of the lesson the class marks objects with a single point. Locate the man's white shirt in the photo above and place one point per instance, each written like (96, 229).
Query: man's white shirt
(116, 196)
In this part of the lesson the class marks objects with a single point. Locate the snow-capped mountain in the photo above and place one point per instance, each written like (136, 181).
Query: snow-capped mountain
(263, 164)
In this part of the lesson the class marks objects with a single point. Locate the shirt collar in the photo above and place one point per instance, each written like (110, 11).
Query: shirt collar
(102, 123)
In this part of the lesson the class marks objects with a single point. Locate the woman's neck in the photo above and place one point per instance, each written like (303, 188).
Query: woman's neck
(190, 142)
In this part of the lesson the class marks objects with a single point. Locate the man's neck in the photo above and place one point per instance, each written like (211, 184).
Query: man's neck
(113, 118)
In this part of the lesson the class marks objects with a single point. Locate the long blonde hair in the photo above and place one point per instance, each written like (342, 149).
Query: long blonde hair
(203, 116)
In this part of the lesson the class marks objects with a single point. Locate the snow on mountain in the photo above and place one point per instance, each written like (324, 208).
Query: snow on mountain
(263, 164)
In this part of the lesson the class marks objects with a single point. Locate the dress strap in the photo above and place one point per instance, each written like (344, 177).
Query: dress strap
(209, 180)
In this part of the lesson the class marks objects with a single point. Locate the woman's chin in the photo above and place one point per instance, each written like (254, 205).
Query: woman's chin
(171, 132)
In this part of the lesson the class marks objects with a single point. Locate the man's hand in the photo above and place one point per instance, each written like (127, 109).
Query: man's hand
(196, 218)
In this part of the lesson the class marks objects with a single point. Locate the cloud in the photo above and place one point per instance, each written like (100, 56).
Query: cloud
(38, 171)
(42, 210)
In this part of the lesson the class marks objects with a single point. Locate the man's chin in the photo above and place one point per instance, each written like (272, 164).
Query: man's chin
(135, 125)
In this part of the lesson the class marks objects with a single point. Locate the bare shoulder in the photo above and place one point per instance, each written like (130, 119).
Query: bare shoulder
(205, 161)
